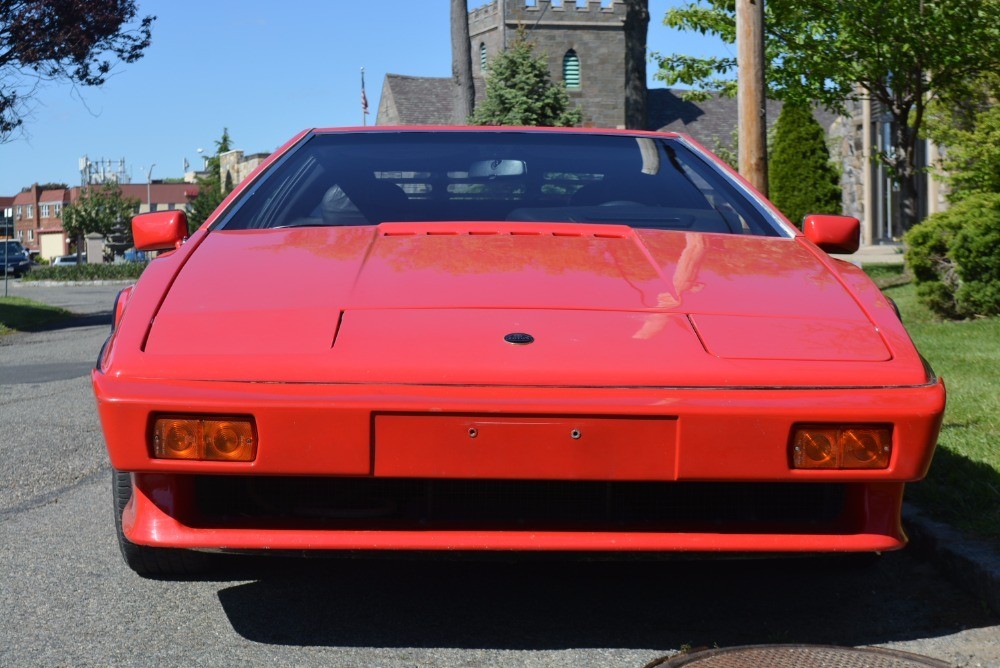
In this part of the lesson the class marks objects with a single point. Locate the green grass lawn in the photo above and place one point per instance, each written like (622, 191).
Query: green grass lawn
(963, 486)
(18, 313)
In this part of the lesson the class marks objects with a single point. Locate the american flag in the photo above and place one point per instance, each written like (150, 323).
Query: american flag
(364, 98)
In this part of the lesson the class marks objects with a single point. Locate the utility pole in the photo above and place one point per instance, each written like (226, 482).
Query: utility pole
(751, 91)
(149, 187)
(461, 61)
(636, 28)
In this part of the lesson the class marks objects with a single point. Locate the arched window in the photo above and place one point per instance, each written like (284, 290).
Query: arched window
(571, 69)
(482, 57)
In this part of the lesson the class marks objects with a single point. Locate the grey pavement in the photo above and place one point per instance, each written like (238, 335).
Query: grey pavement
(68, 599)
(875, 254)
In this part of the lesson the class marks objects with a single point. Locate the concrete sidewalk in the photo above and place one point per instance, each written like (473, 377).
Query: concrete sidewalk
(877, 254)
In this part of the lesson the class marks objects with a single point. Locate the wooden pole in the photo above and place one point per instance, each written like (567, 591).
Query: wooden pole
(636, 29)
(750, 94)
(461, 62)
(867, 169)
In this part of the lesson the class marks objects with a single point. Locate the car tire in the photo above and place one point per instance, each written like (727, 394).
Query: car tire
(151, 561)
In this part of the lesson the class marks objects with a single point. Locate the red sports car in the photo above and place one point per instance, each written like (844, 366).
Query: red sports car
(506, 339)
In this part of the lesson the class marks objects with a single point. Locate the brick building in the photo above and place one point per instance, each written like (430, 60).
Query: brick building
(38, 212)
(6, 217)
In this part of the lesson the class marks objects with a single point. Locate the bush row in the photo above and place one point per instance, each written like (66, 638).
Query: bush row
(955, 258)
(87, 272)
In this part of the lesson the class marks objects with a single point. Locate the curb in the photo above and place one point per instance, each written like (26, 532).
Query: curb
(52, 284)
(971, 563)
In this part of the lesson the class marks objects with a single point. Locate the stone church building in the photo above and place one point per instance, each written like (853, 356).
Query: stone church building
(584, 42)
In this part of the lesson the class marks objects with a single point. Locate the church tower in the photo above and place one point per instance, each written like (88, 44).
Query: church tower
(583, 42)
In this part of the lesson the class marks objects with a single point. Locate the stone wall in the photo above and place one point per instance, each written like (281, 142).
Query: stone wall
(234, 167)
(485, 30)
(847, 147)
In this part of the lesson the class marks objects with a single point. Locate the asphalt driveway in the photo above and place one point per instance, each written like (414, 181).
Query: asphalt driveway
(68, 599)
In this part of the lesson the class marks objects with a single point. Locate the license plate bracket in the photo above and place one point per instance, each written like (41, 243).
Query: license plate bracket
(544, 447)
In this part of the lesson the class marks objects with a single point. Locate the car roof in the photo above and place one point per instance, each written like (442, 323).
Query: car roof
(494, 129)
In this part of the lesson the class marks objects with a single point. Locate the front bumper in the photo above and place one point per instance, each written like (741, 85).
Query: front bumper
(717, 436)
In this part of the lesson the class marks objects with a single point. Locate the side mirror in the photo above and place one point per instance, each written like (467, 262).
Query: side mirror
(834, 234)
(160, 230)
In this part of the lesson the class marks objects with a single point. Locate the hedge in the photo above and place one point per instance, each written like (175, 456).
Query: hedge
(87, 272)
(955, 258)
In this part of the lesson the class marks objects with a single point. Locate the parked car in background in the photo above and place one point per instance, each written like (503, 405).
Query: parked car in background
(14, 259)
(506, 339)
(68, 260)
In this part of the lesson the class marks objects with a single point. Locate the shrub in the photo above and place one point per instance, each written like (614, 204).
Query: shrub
(87, 272)
(801, 179)
(955, 258)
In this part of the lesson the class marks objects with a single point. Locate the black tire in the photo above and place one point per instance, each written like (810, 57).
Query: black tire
(151, 561)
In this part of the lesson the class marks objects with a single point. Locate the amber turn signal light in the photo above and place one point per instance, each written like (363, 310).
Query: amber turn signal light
(204, 438)
(841, 446)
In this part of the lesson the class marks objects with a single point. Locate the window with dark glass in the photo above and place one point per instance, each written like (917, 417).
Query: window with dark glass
(369, 178)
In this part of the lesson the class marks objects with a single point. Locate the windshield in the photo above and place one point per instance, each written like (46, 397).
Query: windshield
(11, 247)
(369, 178)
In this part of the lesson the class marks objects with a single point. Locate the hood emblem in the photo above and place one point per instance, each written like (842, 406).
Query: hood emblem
(519, 338)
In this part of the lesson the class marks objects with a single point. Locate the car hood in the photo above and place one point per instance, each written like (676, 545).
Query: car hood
(431, 303)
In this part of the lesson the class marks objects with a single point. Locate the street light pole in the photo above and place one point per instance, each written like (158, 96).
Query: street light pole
(149, 189)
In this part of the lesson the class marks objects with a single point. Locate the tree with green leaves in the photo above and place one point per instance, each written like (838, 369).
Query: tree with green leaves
(75, 41)
(900, 53)
(211, 189)
(519, 91)
(801, 177)
(102, 209)
(969, 129)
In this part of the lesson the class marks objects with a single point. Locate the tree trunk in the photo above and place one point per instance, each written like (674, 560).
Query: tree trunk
(461, 61)
(636, 27)
(904, 166)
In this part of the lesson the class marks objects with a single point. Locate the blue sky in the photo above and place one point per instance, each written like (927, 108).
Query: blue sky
(264, 69)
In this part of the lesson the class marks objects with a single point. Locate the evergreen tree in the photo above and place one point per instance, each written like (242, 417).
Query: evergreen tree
(519, 91)
(211, 190)
(802, 179)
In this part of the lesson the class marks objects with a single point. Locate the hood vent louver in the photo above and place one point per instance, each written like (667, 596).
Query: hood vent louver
(486, 229)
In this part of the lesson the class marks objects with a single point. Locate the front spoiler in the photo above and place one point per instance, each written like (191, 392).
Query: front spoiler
(871, 524)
